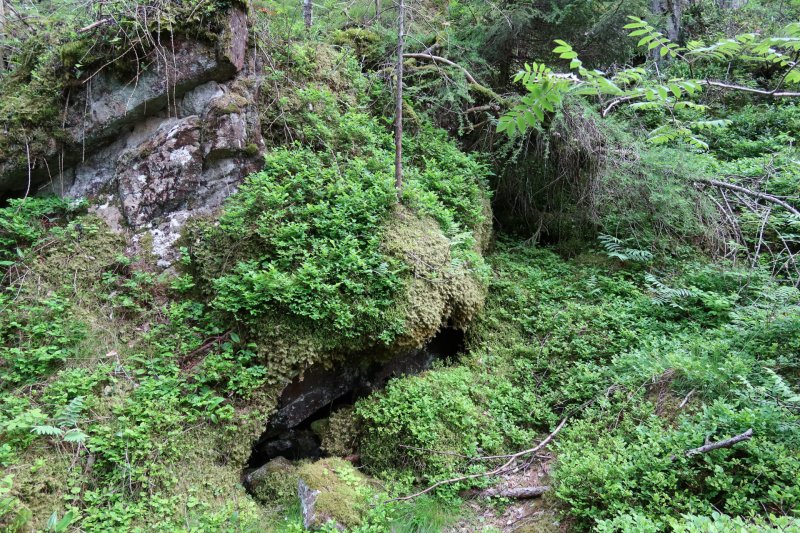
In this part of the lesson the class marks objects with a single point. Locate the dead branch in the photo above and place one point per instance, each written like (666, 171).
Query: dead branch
(499, 470)
(727, 443)
(614, 103)
(774, 93)
(94, 25)
(470, 78)
(749, 192)
(686, 399)
(479, 108)
(520, 493)
(440, 59)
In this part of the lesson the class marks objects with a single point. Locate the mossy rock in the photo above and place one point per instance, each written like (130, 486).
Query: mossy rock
(341, 433)
(332, 491)
(275, 483)
(437, 290)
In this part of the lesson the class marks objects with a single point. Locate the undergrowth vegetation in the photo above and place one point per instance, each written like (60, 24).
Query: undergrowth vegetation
(642, 288)
(130, 396)
(647, 360)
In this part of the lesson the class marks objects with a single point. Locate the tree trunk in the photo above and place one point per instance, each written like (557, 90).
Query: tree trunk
(377, 9)
(307, 13)
(2, 34)
(673, 9)
(398, 112)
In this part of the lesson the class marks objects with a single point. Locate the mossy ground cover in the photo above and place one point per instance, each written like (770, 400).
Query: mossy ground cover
(591, 339)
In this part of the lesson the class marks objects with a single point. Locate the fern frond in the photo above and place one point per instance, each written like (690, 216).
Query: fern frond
(49, 431)
(69, 416)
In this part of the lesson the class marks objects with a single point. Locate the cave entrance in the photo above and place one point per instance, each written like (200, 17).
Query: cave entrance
(293, 431)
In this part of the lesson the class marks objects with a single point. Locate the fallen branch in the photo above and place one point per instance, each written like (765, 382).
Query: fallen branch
(727, 443)
(520, 493)
(94, 25)
(755, 194)
(470, 78)
(614, 103)
(774, 93)
(686, 399)
(499, 470)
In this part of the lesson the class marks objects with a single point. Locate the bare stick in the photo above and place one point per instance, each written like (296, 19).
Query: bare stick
(686, 399)
(775, 93)
(94, 25)
(520, 493)
(732, 87)
(727, 443)
(499, 470)
(756, 194)
(440, 59)
(478, 109)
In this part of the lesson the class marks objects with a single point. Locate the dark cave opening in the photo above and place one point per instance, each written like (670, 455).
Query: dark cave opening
(291, 430)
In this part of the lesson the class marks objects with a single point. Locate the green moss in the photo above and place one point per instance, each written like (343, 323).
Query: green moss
(342, 497)
(365, 43)
(276, 484)
(341, 433)
(251, 150)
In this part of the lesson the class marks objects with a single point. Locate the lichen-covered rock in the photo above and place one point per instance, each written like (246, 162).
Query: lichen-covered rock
(333, 492)
(110, 104)
(166, 169)
(160, 175)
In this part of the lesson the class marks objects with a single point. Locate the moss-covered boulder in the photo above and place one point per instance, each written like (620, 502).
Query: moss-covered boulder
(332, 492)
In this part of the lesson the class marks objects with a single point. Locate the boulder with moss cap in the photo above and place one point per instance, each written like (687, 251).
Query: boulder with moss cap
(332, 492)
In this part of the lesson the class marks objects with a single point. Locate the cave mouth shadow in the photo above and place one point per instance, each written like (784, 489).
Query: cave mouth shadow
(290, 433)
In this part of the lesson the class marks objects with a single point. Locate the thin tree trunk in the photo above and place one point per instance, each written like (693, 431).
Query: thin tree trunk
(307, 13)
(398, 113)
(377, 9)
(2, 34)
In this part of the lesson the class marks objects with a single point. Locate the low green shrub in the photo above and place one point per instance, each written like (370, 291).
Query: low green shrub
(642, 380)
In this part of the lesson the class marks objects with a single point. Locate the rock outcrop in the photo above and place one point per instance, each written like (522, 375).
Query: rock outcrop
(108, 106)
(172, 141)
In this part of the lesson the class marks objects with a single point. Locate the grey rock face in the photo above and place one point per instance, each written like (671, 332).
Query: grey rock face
(178, 81)
(182, 160)
(195, 101)
(308, 500)
(160, 175)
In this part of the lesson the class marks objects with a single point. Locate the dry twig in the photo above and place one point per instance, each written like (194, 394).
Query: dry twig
(499, 470)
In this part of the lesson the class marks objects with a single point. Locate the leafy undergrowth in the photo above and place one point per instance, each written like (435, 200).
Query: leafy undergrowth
(130, 397)
(308, 257)
(647, 361)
